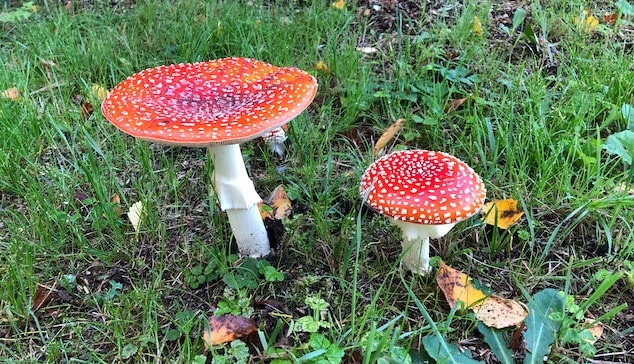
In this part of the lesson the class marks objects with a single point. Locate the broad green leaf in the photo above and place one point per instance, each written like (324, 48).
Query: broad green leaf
(541, 331)
(128, 351)
(518, 18)
(497, 342)
(445, 352)
(625, 7)
(621, 144)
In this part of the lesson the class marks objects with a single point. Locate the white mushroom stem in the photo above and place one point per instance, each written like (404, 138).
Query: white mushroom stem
(238, 197)
(415, 244)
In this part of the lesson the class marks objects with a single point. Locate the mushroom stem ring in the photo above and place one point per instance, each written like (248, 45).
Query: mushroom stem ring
(238, 197)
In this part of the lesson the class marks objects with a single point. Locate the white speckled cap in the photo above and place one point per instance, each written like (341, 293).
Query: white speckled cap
(224, 101)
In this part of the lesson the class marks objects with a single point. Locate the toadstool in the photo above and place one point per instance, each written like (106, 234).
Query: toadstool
(426, 193)
(216, 104)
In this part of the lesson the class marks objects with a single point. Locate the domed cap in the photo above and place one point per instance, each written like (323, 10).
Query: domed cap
(423, 187)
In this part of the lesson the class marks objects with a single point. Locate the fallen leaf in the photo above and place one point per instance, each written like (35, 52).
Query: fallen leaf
(134, 214)
(98, 92)
(86, 109)
(596, 328)
(388, 135)
(457, 287)
(339, 4)
(13, 94)
(42, 296)
(277, 206)
(453, 105)
(477, 26)
(321, 66)
(588, 22)
(115, 199)
(498, 312)
(226, 328)
(517, 339)
(502, 213)
(610, 18)
(622, 187)
(367, 50)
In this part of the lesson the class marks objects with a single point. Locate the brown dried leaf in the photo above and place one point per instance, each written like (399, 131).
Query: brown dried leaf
(277, 206)
(596, 328)
(501, 312)
(86, 109)
(42, 296)
(457, 287)
(226, 328)
(610, 18)
(453, 105)
(388, 135)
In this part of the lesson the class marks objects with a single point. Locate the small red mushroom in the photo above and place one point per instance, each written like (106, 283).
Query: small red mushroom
(216, 104)
(425, 193)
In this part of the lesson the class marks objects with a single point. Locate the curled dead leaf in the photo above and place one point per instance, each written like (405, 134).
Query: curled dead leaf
(226, 328)
(453, 105)
(388, 135)
(367, 50)
(339, 4)
(321, 66)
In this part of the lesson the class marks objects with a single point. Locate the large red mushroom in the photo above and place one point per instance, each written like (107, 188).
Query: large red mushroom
(217, 104)
(425, 193)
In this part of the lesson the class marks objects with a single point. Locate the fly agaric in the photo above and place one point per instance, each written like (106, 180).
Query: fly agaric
(425, 193)
(216, 104)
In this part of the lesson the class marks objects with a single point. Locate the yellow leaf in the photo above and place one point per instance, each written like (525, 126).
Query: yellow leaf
(321, 66)
(98, 92)
(134, 214)
(387, 135)
(477, 26)
(339, 4)
(457, 287)
(500, 312)
(13, 94)
(504, 213)
(588, 22)
(277, 206)
(226, 328)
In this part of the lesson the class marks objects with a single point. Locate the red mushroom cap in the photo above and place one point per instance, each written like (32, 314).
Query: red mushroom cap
(225, 101)
(423, 187)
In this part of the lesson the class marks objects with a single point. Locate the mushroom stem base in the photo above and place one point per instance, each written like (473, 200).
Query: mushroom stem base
(252, 242)
(238, 197)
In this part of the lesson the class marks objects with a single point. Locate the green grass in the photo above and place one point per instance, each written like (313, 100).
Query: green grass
(532, 128)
